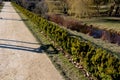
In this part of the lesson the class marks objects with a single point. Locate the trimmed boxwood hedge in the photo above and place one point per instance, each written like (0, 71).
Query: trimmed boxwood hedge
(98, 61)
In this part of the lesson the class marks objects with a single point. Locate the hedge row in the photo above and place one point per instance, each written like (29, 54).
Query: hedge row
(97, 61)
(111, 36)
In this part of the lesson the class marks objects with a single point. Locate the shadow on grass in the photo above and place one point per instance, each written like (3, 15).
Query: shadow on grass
(48, 48)
(103, 20)
(112, 20)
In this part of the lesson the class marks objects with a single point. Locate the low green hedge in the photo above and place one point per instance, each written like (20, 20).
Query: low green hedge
(98, 61)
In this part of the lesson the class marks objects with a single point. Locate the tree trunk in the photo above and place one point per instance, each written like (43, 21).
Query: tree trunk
(117, 10)
(111, 10)
(98, 11)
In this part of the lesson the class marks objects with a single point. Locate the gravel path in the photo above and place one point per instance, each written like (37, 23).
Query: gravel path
(18, 58)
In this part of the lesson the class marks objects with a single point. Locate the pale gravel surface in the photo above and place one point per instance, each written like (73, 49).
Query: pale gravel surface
(18, 61)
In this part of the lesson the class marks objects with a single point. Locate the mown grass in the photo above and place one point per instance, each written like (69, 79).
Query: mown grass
(62, 64)
(104, 22)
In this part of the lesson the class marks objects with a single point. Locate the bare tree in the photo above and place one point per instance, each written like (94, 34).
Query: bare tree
(117, 10)
(78, 8)
(41, 8)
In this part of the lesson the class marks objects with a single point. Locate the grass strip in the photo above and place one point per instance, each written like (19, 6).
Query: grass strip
(62, 64)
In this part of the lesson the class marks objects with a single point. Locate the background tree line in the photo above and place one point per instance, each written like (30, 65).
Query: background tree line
(76, 8)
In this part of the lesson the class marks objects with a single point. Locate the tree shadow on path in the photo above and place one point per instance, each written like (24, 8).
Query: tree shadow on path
(47, 48)
(1, 18)
(5, 11)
